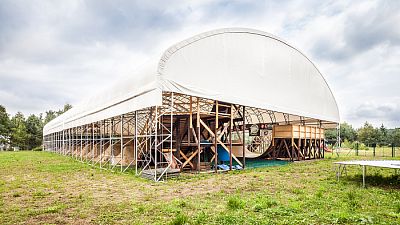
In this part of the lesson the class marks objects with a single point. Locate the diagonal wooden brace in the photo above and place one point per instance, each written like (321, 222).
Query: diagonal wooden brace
(190, 158)
(219, 142)
(187, 159)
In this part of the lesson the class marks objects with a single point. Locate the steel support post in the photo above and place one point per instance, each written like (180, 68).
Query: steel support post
(230, 137)
(171, 128)
(215, 138)
(111, 160)
(122, 140)
(93, 141)
(198, 133)
(81, 143)
(244, 137)
(364, 172)
(101, 142)
(69, 141)
(136, 144)
(155, 144)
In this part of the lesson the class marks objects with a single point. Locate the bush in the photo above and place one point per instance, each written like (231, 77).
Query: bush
(37, 149)
(234, 202)
(352, 200)
(397, 207)
(361, 146)
(347, 144)
(353, 145)
(180, 219)
(201, 218)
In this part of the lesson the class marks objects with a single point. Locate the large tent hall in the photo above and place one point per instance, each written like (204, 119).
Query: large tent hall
(209, 103)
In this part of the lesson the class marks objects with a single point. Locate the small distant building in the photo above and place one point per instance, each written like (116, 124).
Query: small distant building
(5, 146)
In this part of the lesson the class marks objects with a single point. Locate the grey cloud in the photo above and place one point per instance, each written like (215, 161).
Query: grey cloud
(376, 26)
(362, 32)
(8, 21)
(53, 33)
(28, 95)
(234, 9)
(133, 22)
(388, 114)
(327, 48)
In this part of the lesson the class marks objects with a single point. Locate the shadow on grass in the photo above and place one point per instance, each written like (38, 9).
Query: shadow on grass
(377, 180)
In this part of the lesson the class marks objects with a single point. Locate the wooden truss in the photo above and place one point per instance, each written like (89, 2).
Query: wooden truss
(184, 133)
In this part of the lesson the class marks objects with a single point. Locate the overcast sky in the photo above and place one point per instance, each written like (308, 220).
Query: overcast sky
(54, 52)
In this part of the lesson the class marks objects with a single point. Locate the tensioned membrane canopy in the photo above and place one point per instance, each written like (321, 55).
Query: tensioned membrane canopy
(235, 65)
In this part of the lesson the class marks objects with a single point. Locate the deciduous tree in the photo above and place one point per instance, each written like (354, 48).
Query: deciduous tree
(19, 133)
(368, 134)
(34, 127)
(5, 125)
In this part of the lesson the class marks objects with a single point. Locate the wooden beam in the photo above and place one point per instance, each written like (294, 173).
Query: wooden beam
(207, 128)
(198, 139)
(233, 156)
(190, 158)
(223, 132)
(287, 148)
(219, 142)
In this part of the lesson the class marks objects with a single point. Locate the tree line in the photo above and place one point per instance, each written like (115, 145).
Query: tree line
(25, 133)
(367, 135)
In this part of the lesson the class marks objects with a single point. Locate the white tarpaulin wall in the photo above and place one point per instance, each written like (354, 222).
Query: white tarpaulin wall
(240, 66)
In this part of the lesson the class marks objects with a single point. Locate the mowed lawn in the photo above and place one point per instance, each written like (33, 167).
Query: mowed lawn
(46, 188)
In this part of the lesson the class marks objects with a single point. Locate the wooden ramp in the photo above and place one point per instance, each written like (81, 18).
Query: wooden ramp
(238, 152)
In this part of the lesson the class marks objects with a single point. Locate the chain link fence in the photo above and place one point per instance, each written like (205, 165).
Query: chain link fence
(390, 151)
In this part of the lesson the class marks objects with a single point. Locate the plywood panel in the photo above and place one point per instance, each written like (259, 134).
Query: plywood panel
(298, 131)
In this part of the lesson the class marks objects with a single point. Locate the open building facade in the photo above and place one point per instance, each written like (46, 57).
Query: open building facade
(218, 98)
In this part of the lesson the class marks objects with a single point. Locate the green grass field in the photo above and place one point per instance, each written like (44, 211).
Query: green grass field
(45, 188)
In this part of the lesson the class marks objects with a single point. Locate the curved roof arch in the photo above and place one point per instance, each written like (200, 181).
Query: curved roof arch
(235, 65)
(251, 68)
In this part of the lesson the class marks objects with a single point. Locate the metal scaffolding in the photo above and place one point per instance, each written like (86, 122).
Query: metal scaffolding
(184, 133)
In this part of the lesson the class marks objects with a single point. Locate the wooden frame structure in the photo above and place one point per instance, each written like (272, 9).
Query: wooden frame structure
(186, 133)
(297, 142)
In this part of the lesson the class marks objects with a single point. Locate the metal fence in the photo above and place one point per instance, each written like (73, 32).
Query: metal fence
(376, 151)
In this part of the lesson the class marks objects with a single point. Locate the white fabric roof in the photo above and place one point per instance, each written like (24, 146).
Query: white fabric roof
(235, 65)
